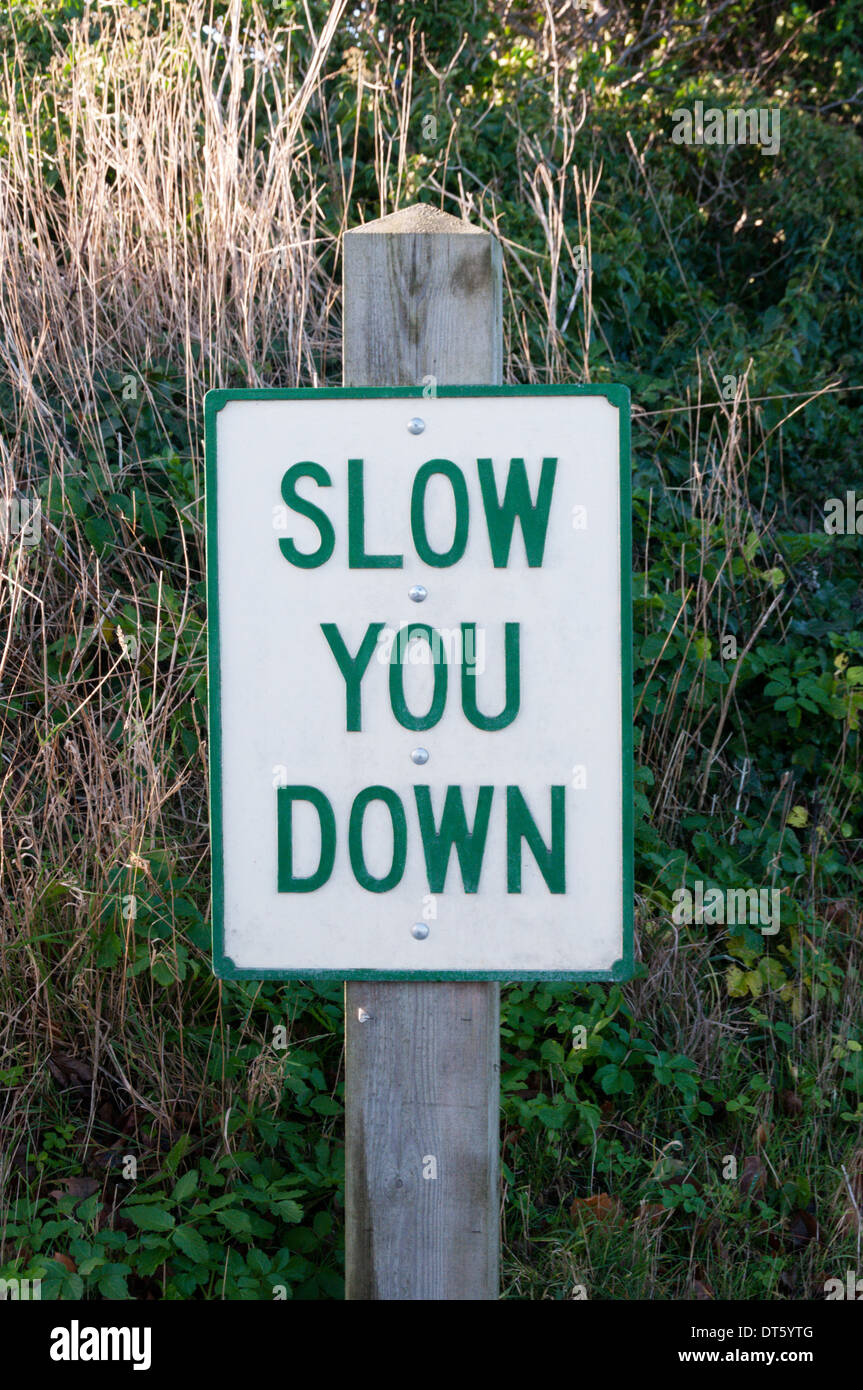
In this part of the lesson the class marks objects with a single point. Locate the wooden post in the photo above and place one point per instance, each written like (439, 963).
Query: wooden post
(422, 307)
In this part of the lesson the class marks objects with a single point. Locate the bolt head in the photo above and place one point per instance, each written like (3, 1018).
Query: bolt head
(416, 425)
(419, 593)
(420, 756)
(420, 931)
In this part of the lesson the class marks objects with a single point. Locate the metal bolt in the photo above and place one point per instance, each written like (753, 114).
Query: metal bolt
(418, 593)
(420, 755)
(416, 425)
(420, 931)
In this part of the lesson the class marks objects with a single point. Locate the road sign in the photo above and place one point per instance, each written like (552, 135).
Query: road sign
(420, 682)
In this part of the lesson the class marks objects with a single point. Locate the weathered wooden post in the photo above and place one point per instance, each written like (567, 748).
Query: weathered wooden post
(422, 307)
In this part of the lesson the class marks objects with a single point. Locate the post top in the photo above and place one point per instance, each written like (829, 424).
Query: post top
(419, 217)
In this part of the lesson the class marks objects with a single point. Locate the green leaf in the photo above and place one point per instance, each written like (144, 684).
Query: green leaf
(149, 1218)
(237, 1222)
(324, 1105)
(185, 1185)
(99, 532)
(175, 1157)
(152, 1259)
(288, 1210)
(112, 1282)
(553, 1116)
(161, 972)
(191, 1243)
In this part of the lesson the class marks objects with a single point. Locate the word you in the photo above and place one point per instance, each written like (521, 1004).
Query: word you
(411, 641)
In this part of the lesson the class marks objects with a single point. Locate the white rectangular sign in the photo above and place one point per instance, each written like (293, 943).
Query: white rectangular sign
(420, 682)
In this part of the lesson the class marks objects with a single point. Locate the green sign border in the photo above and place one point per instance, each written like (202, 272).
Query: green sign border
(223, 966)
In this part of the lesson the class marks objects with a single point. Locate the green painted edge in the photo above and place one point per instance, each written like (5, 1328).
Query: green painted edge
(214, 401)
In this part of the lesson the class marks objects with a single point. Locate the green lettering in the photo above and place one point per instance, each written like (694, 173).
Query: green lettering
(500, 516)
(468, 678)
(520, 825)
(285, 798)
(357, 557)
(307, 560)
(400, 839)
(438, 844)
(439, 558)
(353, 668)
(398, 657)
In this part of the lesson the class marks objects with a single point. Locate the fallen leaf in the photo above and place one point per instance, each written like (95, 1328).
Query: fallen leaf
(77, 1187)
(753, 1176)
(841, 913)
(683, 1180)
(111, 1157)
(710, 1231)
(787, 1283)
(109, 1115)
(652, 1212)
(13, 1250)
(135, 1120)
(802, 1227)
(601, 1207)
(790, 1103)
(69, 1071)
(19, 1162)
(774, 1244)
(184, 1121)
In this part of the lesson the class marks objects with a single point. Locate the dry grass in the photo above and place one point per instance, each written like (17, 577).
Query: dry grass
(142, 220)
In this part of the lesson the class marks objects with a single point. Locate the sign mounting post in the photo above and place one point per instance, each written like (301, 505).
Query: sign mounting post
(423, 306)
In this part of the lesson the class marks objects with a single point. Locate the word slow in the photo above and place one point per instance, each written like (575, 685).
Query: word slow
(501, 514)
